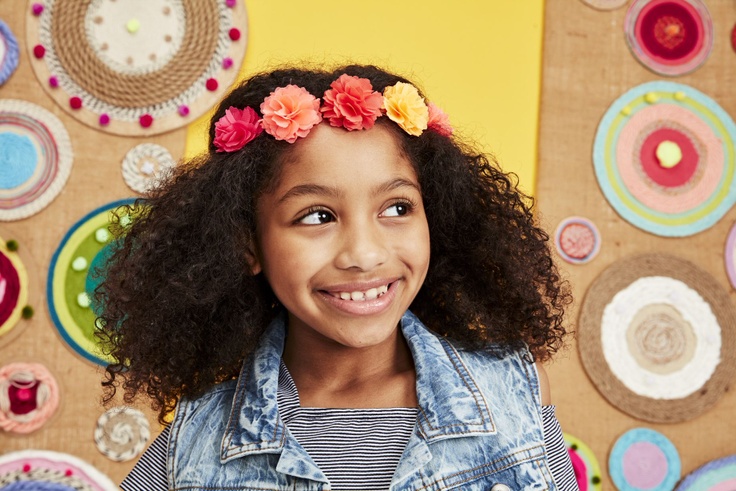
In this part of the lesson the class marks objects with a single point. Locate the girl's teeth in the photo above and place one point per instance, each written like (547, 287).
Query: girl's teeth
(345, 296)
(357, 296)
(371, 294)
(382, 289)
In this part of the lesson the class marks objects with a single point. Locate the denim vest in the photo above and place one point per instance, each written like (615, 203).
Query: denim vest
(479, 425)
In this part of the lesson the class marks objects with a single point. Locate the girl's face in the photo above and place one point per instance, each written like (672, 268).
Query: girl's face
(343, 238)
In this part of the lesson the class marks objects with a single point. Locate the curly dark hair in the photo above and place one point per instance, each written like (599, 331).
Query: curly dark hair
(179, 308)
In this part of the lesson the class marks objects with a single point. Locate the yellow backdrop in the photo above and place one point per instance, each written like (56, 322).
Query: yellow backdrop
(478, 60)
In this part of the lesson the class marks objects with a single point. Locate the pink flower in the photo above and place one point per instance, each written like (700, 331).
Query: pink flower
(236, 128)
(438, 120)
(289, 113)
(352, 103)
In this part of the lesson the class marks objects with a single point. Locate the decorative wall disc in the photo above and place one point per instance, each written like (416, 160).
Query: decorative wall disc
(72, 280)
(577, 240)
(29, 396)
(35, 158)
(122, 433)
(653, 333)
(584, 463)
(644, 459)
(8, 52)
(605, 4)
(144, 164)
(13, 290)
(138, 67)
(716, 475)
(730, 255)
(664, 158)
(46, 468)
(670, 37)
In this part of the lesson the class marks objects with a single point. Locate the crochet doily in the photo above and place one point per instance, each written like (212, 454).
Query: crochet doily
(664, 158)
(8, 52)
(35, 158)
(577, 240)
(654, 333)
(138, 67)
(584, 464)
(37, 470)
(29, 396)
(670, 37)
(716, 475)
(122, 433)
(72, 280)
(144, 164)
(644, 459)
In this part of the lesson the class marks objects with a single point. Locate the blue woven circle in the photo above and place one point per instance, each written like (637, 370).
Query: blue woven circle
(714, 472)
(36, 486)
(9, 62)
(18, 160)
(638, 435)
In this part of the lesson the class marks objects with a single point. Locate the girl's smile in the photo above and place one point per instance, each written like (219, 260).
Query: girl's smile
(343, 237)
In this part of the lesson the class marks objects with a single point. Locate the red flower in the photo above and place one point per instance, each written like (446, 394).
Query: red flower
(236, 128)
(352, 103)
(438, 120)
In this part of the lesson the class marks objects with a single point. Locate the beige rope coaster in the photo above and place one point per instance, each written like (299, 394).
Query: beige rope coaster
(657, 337)
(122, 433)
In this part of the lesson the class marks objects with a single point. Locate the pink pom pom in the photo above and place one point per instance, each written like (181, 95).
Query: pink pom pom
(104, 119)
(183, 110)
(26, 467)
(230, 3)
(37, 9)
(68, 472)
(39, 51)
(227, 63)
(234, 33)
(53, 81)
(211, 84)
(146, 120)
(75, 102)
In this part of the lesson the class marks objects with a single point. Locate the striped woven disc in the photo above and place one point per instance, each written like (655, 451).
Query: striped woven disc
(53, 471)
(8, 52)
(122, 433)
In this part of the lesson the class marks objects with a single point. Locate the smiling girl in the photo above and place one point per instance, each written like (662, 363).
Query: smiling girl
(339, 295)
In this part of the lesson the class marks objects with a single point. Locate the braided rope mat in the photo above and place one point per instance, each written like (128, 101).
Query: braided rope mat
(122, 433)
(182, 78)
(677, 362)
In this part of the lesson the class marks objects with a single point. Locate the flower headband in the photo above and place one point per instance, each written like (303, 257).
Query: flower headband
(290, 112)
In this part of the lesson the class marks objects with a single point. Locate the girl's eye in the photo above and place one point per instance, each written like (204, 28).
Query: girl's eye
(316, 217)
(397, 210)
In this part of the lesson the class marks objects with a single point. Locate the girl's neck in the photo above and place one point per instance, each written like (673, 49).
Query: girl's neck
(328, 374)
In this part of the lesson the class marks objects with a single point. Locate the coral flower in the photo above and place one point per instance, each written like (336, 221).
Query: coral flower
(406, 107)
(289, 113)
(438, 120)
(352, 103)
(236, 128)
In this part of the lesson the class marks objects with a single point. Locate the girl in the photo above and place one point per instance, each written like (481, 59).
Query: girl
(338, 295)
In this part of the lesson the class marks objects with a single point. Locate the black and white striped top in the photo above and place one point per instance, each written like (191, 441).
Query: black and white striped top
(355, 448)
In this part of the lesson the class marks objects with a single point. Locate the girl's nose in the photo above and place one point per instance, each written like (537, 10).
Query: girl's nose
(363, 248)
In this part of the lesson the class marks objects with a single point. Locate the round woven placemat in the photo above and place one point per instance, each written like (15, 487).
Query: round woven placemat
(169, 95)
(619, 276)
(122, 433)
(43, 467)
(605, 4)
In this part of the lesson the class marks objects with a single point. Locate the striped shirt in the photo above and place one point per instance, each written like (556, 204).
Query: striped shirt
(355, 448)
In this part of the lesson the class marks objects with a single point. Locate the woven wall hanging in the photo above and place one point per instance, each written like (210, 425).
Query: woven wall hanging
(657, 337)
(664, 158)
(577, 240)
(716, 475)
(72, 280)
(121, 433)
(43, 469)
(8, 52)
(144, 165)
(14, 291)
(670, 37)
(29, 397)
(35, 158)
(138, 67)
(584, 463)
(644, 460)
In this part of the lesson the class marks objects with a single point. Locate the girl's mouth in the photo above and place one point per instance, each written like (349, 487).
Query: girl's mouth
(362, 296)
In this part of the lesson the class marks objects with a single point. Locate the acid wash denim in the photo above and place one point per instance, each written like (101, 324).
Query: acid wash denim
(479, 424)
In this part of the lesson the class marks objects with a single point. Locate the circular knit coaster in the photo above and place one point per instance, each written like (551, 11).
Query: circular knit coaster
(577, 240)
(605, 4)
(716, 475)
(730, 255)
(122, 433)
(8, 52)
(584, 463)
(144, 165)
(138, 67)
(35, 158)
(657, 337)
(29, 396)
(670, 37)
(53, 471)
(13, 290)
(644, 459)
(73, 276)
(664, 158)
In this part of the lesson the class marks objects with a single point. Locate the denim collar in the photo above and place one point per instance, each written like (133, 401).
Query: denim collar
(450, 403)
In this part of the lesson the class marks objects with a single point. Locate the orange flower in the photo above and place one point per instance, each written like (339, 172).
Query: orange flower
(438, 120)
(289, 113)
(406, 107)
(352, 103)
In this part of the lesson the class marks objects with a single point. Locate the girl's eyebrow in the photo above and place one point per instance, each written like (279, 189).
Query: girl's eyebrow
(333, 192)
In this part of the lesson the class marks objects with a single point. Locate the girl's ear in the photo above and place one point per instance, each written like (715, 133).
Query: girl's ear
(251, 255)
